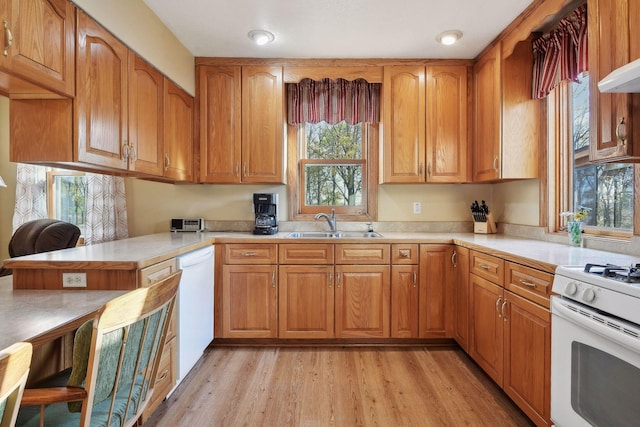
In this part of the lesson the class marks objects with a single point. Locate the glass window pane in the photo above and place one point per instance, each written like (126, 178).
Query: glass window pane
(339, 141)
(605, 189)
(69, 199)
(333, 185)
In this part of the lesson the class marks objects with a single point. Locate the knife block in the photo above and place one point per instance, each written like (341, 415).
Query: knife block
(488, 227)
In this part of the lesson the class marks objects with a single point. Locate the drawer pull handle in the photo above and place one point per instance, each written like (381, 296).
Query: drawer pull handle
(504, 317)
(405, 254)
(621, 131)
(163, 376)
(497, 305)
(453, 259)
(249, 253)
(484, 266)
(527, 283)
(415, 279)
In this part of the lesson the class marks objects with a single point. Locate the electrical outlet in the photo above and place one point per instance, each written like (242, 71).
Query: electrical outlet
(417, 207)
(74, 280)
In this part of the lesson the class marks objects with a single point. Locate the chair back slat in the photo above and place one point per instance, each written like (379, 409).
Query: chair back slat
(15, 361)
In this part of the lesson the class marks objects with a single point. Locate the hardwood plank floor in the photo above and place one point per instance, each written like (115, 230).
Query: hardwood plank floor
(337, 386)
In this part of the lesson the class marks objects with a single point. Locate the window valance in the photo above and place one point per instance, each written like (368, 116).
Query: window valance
(333, 101)
(561, 54)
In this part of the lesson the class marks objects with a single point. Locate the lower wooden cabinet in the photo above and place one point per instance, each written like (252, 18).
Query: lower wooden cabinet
(510, 339)
(436, 291)
(250, 300)
(305, 301)
(404, 301)
(362, 301)
(461, 297)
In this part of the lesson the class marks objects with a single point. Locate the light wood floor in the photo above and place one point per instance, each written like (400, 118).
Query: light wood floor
(337, 386)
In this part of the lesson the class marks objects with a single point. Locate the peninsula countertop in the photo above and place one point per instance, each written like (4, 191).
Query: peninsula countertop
(139, 252)
(38, 316)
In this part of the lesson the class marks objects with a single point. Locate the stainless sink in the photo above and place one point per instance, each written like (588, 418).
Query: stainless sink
(334, 234)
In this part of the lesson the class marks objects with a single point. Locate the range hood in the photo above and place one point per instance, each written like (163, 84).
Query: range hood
(625, 79)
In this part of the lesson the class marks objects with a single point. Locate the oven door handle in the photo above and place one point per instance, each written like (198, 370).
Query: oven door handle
(625, 335)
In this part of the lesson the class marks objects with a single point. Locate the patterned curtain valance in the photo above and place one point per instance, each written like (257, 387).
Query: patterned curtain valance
(561, 54)
(333, 101)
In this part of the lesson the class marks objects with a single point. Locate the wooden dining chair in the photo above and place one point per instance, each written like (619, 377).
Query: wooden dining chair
(115, 360)
(14, 369)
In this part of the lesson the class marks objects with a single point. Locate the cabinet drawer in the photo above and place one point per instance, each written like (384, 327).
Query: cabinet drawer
(488, 267)
(154, 273)
(535, 285)
(362, 253)
(404, 253)
(165, 378)
(296, 253)
(250, 254)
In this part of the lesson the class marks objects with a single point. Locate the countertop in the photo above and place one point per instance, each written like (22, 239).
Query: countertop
(38, 316)
(140, 252)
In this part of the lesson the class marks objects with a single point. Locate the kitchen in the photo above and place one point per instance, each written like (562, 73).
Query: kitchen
(516, 205)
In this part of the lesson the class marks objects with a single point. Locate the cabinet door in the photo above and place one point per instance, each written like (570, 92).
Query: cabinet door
(178, 133)
(404, 301)
(447, 123)
(362, 301)
(145, 117)
(220, 123)
(613, 42)
(404, 130)
(249, 294)
(306, 301)
(436, 291)
(262, 125)
(461, 297)
(101, 100)
(486, 150)
(486, 344)
(527, 357)
(42, 50)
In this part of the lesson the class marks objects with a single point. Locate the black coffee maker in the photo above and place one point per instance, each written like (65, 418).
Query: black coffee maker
(265, 206)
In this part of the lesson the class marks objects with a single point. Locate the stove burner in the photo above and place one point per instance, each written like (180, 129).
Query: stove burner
(629, 274)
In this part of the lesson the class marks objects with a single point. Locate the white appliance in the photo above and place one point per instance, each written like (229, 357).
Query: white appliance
(595, 346)
(195, 307)
(625, 79)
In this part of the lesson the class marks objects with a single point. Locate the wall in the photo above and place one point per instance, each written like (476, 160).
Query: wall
(8, 173)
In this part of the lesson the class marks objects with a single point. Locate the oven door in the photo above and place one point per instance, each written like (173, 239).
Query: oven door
(595, 367)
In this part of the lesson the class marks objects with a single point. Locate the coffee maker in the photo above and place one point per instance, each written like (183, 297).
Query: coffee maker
(265, 206)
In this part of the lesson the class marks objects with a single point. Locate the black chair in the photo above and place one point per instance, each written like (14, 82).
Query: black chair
(41, 235)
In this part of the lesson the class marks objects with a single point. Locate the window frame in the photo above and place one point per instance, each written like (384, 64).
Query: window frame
(561, 163)
(295, 186)
(51, 173)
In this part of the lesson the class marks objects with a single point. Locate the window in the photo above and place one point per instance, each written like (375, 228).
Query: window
(606, 190)
(66, 191)
(332, 168)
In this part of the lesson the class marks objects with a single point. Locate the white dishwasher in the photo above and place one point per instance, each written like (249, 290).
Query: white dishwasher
(195, 307)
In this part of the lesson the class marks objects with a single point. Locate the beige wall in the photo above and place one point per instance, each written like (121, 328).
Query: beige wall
(140, 29)
(8, 173)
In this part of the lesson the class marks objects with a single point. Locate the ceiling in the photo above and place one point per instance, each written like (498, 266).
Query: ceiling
(336, 28)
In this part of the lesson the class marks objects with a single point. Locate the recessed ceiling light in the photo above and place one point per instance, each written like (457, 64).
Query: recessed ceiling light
(261, 37)
(448, 38)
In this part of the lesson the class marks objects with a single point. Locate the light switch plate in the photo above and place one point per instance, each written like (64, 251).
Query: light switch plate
(74, 280)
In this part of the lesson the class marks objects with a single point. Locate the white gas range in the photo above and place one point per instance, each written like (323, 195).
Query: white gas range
(595, 345)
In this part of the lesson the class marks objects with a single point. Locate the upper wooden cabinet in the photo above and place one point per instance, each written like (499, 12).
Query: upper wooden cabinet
(614, 40)
(178, 133)
(38, 39)
(101, 103)
(127, 118)
(146, 125)
(507, 120)
(403, 114)
(425, 124)
(241, 124)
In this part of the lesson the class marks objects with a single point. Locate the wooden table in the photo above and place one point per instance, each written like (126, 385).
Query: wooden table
(40, 316)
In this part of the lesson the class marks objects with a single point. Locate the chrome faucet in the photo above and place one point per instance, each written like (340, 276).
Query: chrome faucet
(330, 219)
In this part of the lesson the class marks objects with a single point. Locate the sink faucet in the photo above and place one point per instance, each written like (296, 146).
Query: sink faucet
(330, 219)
